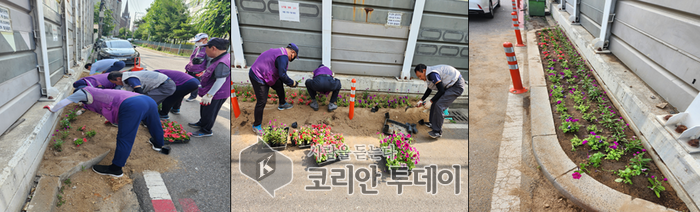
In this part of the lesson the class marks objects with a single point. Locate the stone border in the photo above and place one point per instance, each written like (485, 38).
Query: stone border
(556, 166)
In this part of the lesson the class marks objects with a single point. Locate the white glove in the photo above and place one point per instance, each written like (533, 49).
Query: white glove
(48, 108)
(420, 103)
(427, 104)
(79, 112)
(206, 100)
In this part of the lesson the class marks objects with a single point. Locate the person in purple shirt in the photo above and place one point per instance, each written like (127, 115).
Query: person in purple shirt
(270, 70)
(184, 83)
(198, 60)
(212, 91)
(126, 109)
(95, 81)
(323, 83)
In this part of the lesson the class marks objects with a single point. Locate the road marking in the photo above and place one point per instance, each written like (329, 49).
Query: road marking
(160, 198)
(188, 205)
(508, 175)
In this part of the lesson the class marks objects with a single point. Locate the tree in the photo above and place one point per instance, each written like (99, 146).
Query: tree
(107, 22)
(185, 33)
(214, 19)
(163, 18)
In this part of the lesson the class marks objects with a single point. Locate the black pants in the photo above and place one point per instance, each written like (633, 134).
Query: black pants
(261, 90)
(175, 101)
(194, 93)
(208, 114)
(323, 84)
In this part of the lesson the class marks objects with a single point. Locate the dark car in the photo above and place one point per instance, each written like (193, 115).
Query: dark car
(117, 49)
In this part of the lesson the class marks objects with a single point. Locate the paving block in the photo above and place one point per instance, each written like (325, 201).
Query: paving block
(45, 194)
(552, 159)
(638, 204)
(534, 65)
(541, 120)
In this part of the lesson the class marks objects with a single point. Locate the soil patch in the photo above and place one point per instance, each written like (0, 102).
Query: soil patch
(607, 172)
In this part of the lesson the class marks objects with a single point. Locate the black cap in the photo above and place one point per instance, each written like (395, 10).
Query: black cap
(295, 48)
(219, 43)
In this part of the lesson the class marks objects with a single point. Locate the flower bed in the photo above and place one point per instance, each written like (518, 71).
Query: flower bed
(403, 155)
(590, 129)
(174, 133)
(301, 96)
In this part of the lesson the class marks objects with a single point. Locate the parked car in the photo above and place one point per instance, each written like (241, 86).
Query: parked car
(130, 39)
(117, 49)
(478, 7)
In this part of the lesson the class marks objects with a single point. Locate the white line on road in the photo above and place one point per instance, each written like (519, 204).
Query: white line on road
(508, 175)
(156, 186)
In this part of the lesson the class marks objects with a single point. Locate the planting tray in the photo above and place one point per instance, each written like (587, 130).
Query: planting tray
(337, 158)
(286, 138)
(306, 146)
(391, 126)
(178, 142)
(383, 163)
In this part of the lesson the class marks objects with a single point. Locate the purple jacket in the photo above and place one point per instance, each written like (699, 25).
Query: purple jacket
(178, 77)
(106, 102)
(199, 52)
(208, 79)
(264, 67)
(323, 70)
(99, 81)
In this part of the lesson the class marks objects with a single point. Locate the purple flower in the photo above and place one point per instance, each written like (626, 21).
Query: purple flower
(559, 102)
(652, 177)
(592, 133)
(644, 150)
(613, 147)
(576, 175)
(584, 142)
(665, 179)
(597, 136)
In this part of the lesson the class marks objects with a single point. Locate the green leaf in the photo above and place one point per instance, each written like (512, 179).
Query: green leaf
(619, 180)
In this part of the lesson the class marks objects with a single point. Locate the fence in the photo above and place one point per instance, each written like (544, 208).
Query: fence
(180, 49)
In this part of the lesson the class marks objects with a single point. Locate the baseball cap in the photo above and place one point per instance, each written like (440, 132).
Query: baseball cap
(219, 43)
(295, 48)
(200, 36)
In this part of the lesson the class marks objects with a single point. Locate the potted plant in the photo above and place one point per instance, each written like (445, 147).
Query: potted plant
(402, 156)
(174, 132)
(329, 149)
(276, 136)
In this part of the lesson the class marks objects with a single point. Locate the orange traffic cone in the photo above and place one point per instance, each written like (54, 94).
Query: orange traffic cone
(137, 66)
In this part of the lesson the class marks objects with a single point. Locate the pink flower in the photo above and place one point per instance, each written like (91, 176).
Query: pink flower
(577, 175)
(585, 141)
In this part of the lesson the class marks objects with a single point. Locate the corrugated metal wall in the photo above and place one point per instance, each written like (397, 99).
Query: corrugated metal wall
(362, 43)
(444, 36)
(658, 40)
(592, 15)
(20, 53)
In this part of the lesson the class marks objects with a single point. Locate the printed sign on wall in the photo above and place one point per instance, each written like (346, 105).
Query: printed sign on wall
(289, 11)
(5, 23)
(393, 19)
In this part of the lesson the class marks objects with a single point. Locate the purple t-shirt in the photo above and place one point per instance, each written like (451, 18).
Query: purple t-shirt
(177, 76)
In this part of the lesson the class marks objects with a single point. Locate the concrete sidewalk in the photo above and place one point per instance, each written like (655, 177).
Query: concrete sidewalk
(632, 98)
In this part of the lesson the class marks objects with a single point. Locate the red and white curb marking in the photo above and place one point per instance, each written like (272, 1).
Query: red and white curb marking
(160, 198)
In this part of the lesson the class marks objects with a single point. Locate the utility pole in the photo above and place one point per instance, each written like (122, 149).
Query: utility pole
(99, 27)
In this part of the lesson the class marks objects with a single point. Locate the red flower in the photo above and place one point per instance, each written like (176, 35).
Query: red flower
(269, 96)
(84, 140)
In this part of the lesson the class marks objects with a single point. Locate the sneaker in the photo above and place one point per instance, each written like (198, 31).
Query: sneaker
(163, 149)
(314, 105)
(166, 117)
(175, 111)
(108, 170)
(257, 130)
(285, 106)
(332, 107)
(199, 133)
(434, 134)
(190, 99)
(194, 125)
(427, 124)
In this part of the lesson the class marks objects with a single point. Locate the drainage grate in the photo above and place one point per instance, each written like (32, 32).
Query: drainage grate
(458, 116)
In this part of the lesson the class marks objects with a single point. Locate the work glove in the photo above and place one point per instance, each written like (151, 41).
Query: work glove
(420, 103)
(206, 100)
(295, 84)
(427, 104)
(200, 74)
(48, 108)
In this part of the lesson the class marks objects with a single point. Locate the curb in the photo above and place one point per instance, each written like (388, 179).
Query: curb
(556, 166)
(44, 198)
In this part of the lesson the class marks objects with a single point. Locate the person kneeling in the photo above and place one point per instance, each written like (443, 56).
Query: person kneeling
(323, 83)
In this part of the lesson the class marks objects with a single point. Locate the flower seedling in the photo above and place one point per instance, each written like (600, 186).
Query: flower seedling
(90, 133)
(274, 135)
(82, 128)
(174, 132)
(58, 145)
(64, 134)
(570, 125)
(595, 159)
(65, 123)
(575, 142)
(625, 175)
(656, 186)
(78, 142)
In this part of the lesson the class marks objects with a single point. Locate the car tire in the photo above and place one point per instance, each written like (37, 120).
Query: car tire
(498, 4)
(491, 10)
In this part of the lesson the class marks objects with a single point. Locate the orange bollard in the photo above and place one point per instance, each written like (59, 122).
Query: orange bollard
(516, 26)
(234, 102)
(515, 8)
(514, 71)
(352, 100)
(137, 66)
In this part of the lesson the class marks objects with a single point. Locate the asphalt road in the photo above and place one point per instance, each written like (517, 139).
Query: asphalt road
(203, 172)
(488, 95)
(451, 149)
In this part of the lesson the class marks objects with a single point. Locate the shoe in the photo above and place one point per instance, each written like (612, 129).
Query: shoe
(163, 149)
(332, 107)
(434, 134)
(427, 124)
(314, 105)
(285, 106)
(199, 134)
(194, 125)
(166, 117)
(190, 99)
(175, 111)
(110, 170)
(257, 130)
